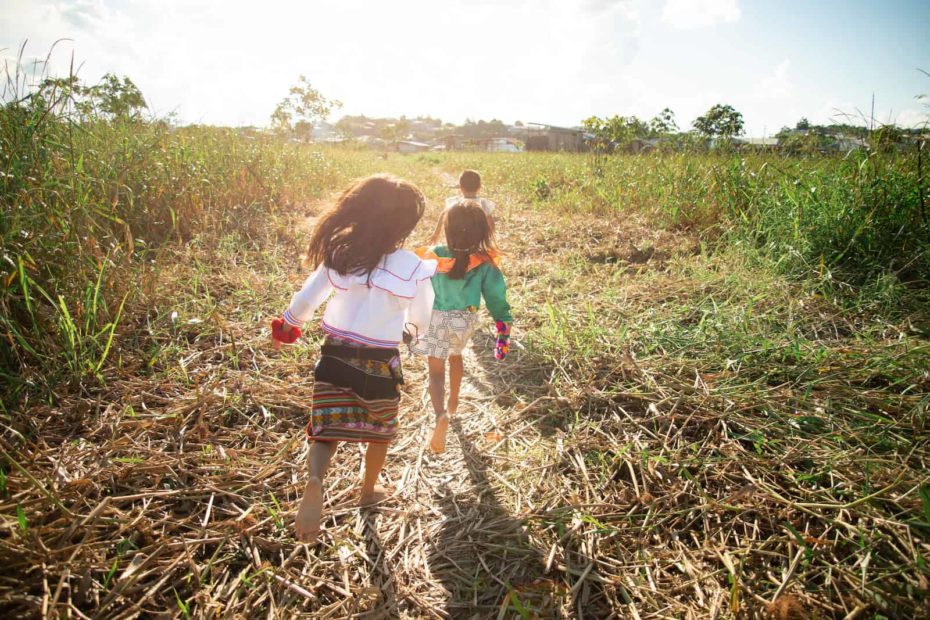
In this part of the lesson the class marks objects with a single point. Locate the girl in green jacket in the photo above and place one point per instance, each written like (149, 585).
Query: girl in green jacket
(468, 270)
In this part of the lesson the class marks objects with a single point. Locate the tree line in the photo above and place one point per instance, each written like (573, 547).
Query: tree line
(118, 97)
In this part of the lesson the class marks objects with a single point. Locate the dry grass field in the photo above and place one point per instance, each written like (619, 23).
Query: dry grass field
(698, 418)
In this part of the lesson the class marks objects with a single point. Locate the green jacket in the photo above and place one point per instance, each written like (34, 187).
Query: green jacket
(486, 281)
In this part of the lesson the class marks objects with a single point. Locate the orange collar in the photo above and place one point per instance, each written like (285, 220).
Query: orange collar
(445, 263)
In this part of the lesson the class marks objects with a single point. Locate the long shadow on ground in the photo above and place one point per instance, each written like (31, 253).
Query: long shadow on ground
(571, 577)
(483, 555)
(521, 379)
(382, 577)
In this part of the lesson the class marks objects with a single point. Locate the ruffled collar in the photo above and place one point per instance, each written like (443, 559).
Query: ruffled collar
(398, 273)
(445, 263)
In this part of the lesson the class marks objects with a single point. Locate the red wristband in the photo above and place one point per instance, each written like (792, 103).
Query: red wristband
(278, 333)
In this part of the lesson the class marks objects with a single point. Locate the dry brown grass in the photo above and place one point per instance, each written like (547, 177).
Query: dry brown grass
(605, 485)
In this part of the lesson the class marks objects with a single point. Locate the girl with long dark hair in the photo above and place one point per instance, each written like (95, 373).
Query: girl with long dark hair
(377, 290)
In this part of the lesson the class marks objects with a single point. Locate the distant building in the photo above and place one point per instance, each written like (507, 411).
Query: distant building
(641, 145)
(497, 145)
(323, 132)
(757, 144)
(504, 145)
(453, 142)
(372, 142)
(540, 137)
(409, 146)
(424, 129)
(844, 144)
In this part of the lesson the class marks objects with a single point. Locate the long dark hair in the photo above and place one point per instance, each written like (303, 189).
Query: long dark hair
(468, 232)
(371, 218)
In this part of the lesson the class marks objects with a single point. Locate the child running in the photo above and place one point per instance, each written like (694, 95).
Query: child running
(468, 270)
(469, 186)
(379, 288)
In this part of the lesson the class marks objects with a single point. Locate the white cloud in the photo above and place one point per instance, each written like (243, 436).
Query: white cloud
(610, 40)
(84, 14)
(834, 111)
(913, 117)
(628, 7)
(690, 14)
(778, 84)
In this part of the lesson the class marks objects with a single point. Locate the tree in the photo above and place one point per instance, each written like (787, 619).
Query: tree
(304, 106)
(110, 99)
(483, 130)
(117, 98)
(57, 94)
(389, 133)
(347, 127)
(616, 131)
(803, 124)
(721, 121)
(663, 123)
(402, 126)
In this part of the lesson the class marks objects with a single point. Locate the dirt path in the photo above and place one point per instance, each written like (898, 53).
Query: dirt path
(455, 541)
(452, 541)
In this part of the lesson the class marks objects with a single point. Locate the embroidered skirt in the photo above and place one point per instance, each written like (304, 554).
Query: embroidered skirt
(356, 393)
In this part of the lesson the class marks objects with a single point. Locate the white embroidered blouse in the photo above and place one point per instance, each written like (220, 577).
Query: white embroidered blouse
(371, 310)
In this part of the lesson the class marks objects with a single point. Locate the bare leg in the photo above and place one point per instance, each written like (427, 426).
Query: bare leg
(437, 384)
(307, 523)
(372, 492)
(437, 395)
(456, 370)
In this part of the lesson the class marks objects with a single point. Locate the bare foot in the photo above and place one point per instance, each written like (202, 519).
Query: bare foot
(437, 442)
(307, 523)
(374, 496)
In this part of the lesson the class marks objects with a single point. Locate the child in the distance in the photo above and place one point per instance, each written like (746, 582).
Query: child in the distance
(379, 288)
(469, 186)
(468, 270)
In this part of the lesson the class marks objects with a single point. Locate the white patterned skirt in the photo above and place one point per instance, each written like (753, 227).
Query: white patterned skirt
(448, 334)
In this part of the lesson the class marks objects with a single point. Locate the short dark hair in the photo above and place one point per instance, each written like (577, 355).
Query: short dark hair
(470, 181)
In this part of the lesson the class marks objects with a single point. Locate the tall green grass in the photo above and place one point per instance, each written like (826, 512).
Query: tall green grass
(86, 200)
(858, 218)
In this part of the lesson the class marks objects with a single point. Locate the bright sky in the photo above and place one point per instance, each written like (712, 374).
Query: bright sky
(228, 62)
